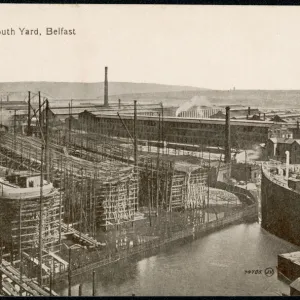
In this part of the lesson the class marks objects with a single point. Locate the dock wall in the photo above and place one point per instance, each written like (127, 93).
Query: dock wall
(156, 244)
(280, 209)
(246, 196)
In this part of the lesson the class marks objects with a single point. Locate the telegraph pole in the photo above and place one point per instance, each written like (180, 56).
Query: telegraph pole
(246, 179)
(40, 277)
(69, 123)
(20, 244)
(40, 110)
(162, 126)
(1, 254)
(28, 117)
(69, 274)
(208, 179)
(15, 128)
(1, 110)
(15, 121)
(157, 165)
(135, 134)
(47, 141)
(227, 137)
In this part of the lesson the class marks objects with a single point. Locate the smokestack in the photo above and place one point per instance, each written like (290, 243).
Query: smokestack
(287, 162)
(119, 106)
(264, 117)
(106, 89)
(227, 136)
(249, 110)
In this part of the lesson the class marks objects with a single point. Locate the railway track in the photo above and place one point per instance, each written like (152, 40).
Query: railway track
(12, 283)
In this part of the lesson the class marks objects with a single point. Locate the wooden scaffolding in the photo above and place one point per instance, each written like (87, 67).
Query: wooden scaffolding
(21, 220)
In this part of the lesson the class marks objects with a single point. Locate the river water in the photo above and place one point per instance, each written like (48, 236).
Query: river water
(210, 266)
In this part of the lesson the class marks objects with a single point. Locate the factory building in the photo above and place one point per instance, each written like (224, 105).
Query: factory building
(245, 172)
(280, 131)
(201, 107)
(209, 132)
(276, 149)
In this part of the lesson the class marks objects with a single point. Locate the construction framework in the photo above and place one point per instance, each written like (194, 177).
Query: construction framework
(171, 185)
(21, 219)
(90, 189)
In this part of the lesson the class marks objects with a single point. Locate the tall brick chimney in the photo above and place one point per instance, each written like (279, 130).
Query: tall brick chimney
(105, 89)
(227, 136)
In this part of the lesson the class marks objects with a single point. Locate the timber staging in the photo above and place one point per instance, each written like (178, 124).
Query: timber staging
(147, 247)
(102, 186)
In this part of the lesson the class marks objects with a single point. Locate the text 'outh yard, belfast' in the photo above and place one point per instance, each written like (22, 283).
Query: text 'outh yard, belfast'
(23, 31)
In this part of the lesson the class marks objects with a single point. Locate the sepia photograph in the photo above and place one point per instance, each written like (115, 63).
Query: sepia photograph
(149, 150)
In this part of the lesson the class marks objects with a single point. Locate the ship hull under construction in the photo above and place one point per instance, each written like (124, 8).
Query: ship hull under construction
(21, 220)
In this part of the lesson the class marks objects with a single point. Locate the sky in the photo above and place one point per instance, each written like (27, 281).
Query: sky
(217, 47)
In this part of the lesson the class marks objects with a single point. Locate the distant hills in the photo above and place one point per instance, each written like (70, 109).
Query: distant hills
(148, 93)
(77, 90)
(253, 98)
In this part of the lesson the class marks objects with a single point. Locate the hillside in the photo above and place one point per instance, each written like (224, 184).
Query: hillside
(257, 98)
(147, 93)
(76, 90)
